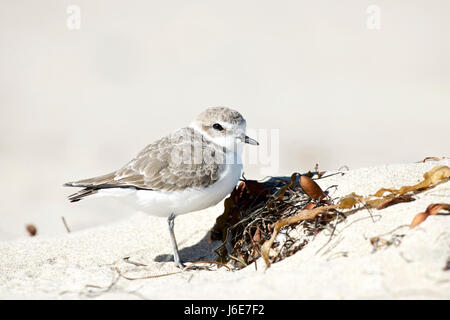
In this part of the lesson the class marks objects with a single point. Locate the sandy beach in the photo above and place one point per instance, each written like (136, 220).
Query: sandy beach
(85, 85)
(86, 264)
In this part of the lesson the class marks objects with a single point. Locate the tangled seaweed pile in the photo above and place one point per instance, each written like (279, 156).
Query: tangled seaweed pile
(254, 208)
(276, 218)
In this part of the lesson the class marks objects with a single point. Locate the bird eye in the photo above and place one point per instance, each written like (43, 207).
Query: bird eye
(217, 126)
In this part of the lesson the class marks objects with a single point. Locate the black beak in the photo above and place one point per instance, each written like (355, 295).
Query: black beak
(249, 140)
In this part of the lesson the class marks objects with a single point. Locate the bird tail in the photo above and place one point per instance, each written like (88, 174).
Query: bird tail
(82, 194)
(91, 186)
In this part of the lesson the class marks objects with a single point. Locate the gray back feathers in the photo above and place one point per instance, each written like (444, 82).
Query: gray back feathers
(183, 159)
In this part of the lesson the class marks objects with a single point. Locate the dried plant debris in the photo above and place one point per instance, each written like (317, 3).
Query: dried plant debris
(447, 265)
(65, 224)
(434, 159)
(434, 176)
(259, 214)
(379, 201)
(432, 210)
(316, 172)
(275, 218)
(388, 239)
(288, 221)
(31, 229)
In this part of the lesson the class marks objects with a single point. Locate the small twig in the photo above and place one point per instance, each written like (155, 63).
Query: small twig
(392, 231)
(169, 273)
(238, 260)
(433, 158)
(329, 175)
(331, 247)
(147, 277)
(332, 233)
(367, 208)
(102, 289)
(65, 224)
(210, 262)
(378, 242)
(126, 259)
(337, 255)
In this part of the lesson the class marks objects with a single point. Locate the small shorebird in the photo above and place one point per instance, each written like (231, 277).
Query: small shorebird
(190, 169)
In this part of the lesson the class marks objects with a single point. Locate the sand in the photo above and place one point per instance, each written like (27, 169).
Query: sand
(84, 264)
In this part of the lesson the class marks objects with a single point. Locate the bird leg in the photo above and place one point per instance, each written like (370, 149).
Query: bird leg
(176, 256)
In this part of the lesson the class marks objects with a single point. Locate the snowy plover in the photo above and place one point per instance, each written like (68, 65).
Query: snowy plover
(191, 169)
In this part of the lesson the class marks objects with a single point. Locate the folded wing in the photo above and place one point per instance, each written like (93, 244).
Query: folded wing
(178, 161)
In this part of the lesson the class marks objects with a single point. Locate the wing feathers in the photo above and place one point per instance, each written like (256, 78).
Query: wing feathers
(159, 167)
(92, 181)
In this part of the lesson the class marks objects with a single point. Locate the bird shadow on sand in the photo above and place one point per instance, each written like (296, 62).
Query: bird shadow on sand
(202, 250)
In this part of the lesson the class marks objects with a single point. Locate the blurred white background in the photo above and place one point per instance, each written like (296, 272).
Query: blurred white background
(82, 102)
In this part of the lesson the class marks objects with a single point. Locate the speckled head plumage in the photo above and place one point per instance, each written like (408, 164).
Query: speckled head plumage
(222, 114)
(223, 126)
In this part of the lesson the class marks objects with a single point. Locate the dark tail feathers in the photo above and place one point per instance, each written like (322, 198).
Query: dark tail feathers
(81, 194)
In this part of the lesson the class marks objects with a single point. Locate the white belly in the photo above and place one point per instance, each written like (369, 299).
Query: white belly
(163, 204)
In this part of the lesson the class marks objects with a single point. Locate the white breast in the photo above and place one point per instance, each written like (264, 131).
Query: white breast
(163, 203)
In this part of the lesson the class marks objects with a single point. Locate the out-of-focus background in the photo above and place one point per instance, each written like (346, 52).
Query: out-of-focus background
(86, 84)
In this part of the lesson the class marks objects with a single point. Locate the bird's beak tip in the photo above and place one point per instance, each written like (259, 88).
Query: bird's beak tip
(249, 140)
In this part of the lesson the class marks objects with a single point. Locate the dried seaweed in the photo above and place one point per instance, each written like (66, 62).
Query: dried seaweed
(255, 213)
(431, 210)
(431, 177)
(260, 217)
(379, 201)
(382, 241)
(433, 158)
(301, 216)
